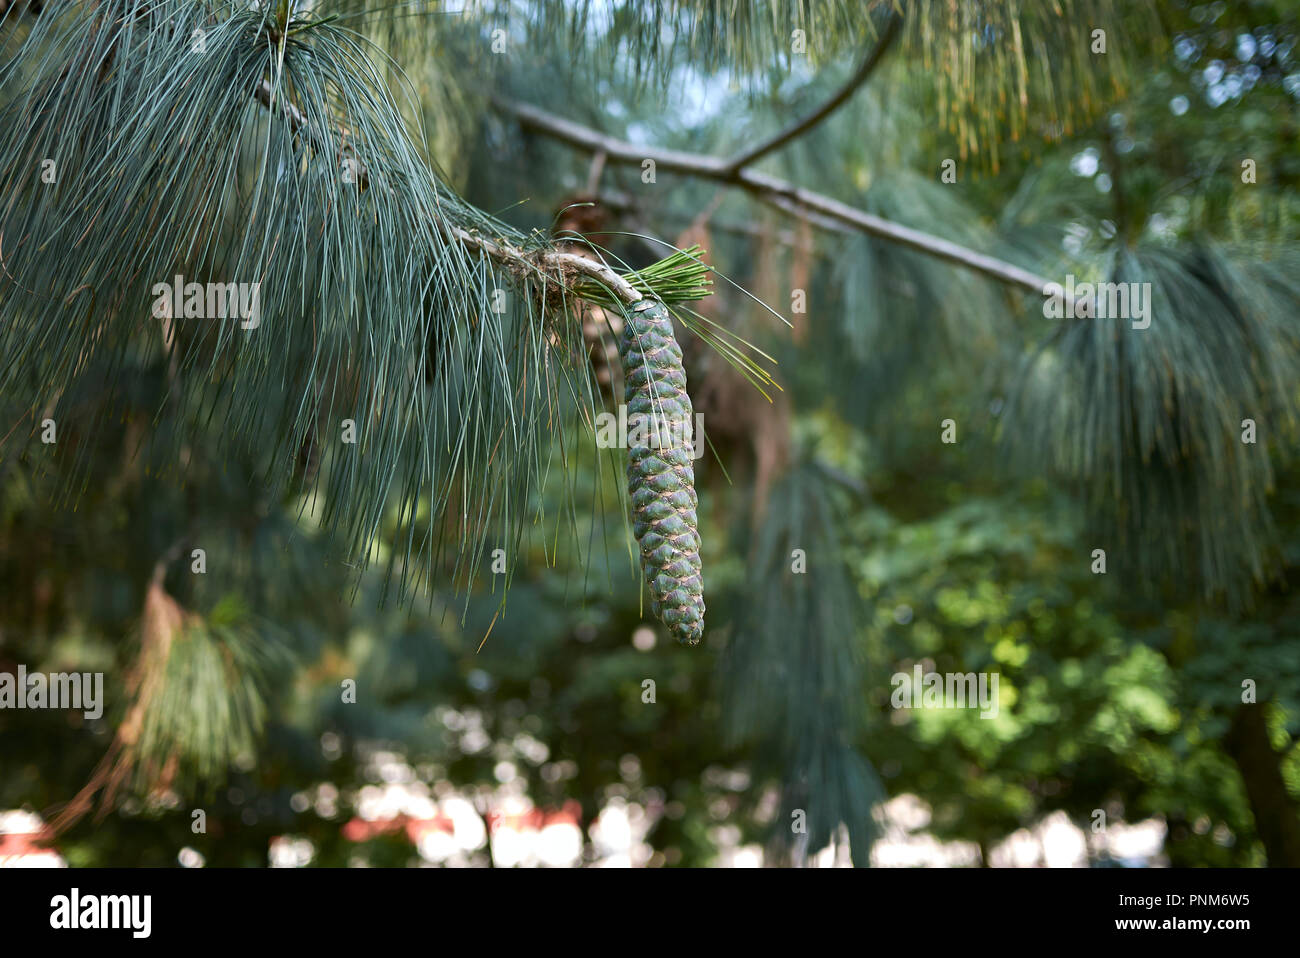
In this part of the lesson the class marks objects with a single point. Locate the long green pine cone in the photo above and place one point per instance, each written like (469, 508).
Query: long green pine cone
(660, 470)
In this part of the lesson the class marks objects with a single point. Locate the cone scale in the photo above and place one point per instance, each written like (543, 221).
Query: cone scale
(660, 469)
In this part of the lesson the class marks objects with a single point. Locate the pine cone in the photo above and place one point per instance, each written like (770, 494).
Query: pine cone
(660, 470)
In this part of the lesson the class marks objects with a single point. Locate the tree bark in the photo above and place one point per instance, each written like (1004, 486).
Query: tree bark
(1276, 820)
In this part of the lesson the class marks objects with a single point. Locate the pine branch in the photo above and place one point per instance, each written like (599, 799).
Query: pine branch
(779, 192)
(547, 263)
(290, 169)
(839, 98)
(505, 254)
(621, 202)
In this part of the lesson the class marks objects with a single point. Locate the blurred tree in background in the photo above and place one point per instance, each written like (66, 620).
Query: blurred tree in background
(886, 188)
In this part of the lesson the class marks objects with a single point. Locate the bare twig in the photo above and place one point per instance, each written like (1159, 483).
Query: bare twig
(624, 203)
(593, 173)
(780, 193)
(800, 127)
(798, 212)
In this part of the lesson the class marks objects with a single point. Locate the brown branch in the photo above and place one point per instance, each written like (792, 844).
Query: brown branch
(162, 621)
(798, 212)
(797, 129)
(616, 151)
(547, 261)
(621, 202)
(821, 209)
(297, 122)
(593, 174)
